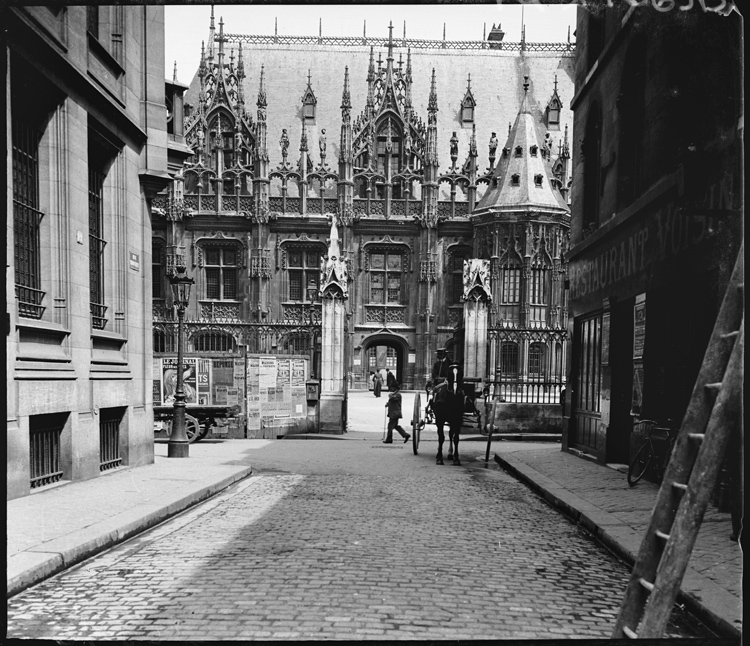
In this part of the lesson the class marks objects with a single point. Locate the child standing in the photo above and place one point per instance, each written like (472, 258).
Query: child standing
(394, 414)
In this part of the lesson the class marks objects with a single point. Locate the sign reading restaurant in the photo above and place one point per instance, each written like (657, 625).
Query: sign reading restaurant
(646, 247)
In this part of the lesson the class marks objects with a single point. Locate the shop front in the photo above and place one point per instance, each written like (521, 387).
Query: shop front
(645, 290)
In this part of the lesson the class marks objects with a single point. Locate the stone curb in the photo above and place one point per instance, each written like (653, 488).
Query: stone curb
(625, 543)
(35, 565)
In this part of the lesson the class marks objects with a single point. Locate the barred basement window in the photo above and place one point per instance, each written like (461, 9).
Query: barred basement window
(221, 263)
(109, 438)
(26, 220)
(44, 448)
(536, 359)
(509, 359)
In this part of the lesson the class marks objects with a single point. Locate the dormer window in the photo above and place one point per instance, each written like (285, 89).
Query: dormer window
(467, 105)
(515, 179)
(519, 151)
(506, 152)
(533, 150)
(309, 102)
(553, 109)
(538, 180)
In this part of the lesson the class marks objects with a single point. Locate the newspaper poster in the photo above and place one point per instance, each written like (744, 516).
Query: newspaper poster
(189, 380)
(157, 382)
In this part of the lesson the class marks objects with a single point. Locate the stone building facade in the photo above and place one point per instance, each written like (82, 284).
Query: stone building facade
(87, 148)
(419, 152)
(656, 214)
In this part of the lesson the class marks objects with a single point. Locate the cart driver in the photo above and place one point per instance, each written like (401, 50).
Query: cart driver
(441, 367)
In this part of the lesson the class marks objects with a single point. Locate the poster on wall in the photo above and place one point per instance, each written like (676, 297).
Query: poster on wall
(253, 393)
(275, 389)
(637, 401)
(189, 380)
(639, 326)
(157, 382)
(204, 382)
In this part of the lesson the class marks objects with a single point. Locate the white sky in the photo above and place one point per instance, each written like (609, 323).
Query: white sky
(187, 26)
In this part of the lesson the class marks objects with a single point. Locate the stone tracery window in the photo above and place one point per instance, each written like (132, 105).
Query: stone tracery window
(303, 269)
(221, 271)
(386, 276)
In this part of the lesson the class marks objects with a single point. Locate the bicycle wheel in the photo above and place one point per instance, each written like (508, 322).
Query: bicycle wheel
(639, 464)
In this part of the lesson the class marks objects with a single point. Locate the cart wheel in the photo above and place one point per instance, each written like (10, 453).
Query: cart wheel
(192, 429)
(416, 423)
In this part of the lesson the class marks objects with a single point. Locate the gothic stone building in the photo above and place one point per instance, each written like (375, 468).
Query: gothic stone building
(87, 146)
(426, 154)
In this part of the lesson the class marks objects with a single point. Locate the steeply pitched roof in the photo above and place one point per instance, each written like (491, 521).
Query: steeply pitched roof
(515, 184)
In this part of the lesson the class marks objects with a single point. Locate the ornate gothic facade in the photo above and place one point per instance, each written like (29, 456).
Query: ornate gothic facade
(426, 154)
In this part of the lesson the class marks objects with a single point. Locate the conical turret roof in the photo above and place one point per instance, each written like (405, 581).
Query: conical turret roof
(515, 184)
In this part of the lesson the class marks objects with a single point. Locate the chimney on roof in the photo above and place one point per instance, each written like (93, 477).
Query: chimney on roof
(496, 36)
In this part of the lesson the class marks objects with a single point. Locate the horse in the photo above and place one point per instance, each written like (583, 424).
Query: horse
(448, 406)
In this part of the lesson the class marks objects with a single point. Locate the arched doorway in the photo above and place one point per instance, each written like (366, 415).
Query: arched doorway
(386, 351)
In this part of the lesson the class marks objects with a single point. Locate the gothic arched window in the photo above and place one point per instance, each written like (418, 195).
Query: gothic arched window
(386, 276)
(214, 341)
(221, 264)
(303, 271)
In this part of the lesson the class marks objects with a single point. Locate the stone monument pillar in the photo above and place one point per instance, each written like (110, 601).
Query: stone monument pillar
(476, 297)
(334, 291)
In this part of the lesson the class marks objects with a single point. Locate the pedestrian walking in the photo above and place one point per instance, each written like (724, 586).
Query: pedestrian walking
(383, 375)
(393, 405)
(390, 379)
(377, 381)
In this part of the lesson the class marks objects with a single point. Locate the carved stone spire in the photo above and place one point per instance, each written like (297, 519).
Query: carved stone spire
(370, 105)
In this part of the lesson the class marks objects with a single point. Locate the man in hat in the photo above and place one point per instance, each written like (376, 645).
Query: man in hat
(440, 367)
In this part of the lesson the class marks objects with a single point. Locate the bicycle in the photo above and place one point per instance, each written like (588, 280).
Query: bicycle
(649, 451)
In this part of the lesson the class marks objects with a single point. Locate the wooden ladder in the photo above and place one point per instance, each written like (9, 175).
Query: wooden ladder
(714, 412)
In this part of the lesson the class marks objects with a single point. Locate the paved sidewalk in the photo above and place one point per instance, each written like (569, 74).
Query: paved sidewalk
(52, 529)
(55, 528)
(599, 499)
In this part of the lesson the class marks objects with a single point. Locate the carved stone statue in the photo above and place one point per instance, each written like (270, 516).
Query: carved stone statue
(493, 145)
(284, 143)
(322, 142)
(454, 146)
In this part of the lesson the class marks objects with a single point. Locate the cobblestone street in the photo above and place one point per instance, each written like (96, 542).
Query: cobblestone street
(345, 539)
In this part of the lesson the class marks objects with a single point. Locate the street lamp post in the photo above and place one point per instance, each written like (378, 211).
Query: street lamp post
(312, 287)
(178, 440)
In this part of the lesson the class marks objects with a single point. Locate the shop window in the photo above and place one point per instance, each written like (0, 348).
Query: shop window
(588, 363)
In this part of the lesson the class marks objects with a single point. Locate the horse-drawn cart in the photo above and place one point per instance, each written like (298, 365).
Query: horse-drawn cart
(199, 420)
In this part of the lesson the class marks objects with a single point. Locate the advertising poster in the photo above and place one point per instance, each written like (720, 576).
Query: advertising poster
(637, 402)
(253, 393)
(157, 382)
(169, 380)
(204, 382)
(639, 326)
